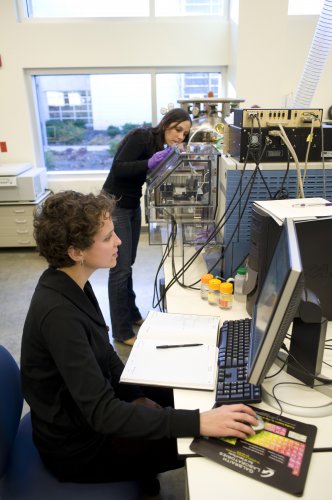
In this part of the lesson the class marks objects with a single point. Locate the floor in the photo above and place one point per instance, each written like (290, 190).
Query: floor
(19, 272)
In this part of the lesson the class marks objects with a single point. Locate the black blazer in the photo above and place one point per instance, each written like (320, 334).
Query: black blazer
(70, 376)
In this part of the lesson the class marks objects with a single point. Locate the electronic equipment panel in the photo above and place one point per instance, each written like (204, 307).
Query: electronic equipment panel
(272, 135)
(273, 117)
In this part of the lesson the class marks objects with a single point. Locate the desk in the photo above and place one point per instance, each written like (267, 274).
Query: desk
(207, 479)
(204, 475)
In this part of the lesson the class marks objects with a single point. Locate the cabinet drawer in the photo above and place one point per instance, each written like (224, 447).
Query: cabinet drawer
(17, 220)
(17, 241)
(16, 230)
(17, 210)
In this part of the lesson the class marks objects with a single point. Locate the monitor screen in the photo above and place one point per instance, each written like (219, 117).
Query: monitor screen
(276, 305)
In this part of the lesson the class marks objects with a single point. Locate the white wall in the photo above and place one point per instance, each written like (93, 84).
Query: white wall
(257, 65)
(268, 53)
(265, 52)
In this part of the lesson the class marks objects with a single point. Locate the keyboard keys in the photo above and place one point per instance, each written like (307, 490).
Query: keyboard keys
(232, 386)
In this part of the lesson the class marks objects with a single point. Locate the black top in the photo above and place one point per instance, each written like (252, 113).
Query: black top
(70, 376)
(130, 166)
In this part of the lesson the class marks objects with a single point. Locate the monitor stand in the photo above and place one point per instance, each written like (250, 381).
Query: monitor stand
(301, 388)
(294, 396)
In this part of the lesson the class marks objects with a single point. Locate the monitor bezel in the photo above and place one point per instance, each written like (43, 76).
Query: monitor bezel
(261, 358)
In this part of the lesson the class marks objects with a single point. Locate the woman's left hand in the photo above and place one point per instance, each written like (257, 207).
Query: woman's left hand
(158, 157)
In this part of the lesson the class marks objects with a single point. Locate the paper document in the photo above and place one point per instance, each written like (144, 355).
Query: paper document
(297, 209)
(191, 366)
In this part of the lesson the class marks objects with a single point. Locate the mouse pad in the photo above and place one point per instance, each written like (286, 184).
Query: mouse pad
(279, 455)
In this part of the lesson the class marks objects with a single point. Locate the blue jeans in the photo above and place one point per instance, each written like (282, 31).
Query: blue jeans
(123, 309)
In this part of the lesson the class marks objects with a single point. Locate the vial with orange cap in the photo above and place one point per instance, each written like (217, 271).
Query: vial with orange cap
(214, 291)
(226, 295)
(205, 278)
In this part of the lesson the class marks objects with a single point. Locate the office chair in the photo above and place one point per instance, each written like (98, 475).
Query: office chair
(22, 473)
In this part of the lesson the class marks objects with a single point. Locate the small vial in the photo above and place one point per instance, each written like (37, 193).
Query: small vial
(226, 295)
(205, 278)
(214, 291)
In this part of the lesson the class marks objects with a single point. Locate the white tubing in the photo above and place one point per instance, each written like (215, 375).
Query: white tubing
(316, 59)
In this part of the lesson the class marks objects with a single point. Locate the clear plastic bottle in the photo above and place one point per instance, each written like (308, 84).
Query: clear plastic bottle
(205, 278)
(226, 295)
(238, 284)
(214, 291)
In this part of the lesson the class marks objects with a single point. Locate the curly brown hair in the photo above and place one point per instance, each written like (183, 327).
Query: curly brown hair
(69, 219)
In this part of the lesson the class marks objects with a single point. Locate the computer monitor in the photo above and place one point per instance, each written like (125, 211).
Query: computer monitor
(277, 306)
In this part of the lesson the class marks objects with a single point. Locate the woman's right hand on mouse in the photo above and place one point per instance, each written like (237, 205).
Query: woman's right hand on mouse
(228, 420)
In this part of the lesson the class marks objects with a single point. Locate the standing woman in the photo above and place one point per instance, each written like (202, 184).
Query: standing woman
(140, 150)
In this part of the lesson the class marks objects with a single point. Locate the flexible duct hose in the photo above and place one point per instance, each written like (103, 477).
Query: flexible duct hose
(317, 56)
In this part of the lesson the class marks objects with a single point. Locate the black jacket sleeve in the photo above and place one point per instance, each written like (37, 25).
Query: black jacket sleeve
(130, 167)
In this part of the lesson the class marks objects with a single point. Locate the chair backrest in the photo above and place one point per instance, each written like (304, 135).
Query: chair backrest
(11, 403)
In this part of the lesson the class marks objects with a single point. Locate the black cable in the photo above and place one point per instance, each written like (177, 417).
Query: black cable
(250, 182)
(191, 260)
(323, 160)
(167, 250)
(280, 369)
(211, 236)
(303, 369)
(177, 275)
(282, 193)
(279, 402)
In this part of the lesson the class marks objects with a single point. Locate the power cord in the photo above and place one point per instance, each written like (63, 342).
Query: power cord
(282, 134)
(323, 381)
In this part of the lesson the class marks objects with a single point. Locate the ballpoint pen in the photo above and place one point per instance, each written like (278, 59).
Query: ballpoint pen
(327, 204)
(171, 346)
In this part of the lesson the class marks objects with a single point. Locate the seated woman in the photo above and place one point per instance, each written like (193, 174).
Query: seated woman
(87, 426)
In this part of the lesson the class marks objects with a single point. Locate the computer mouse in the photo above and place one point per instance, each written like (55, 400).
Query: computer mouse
(260, 424)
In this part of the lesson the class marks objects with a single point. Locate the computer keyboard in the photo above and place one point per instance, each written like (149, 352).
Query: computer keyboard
(232, 386)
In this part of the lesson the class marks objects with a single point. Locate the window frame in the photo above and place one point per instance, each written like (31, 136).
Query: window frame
(153, 71)
(293, 12)
(22, 15)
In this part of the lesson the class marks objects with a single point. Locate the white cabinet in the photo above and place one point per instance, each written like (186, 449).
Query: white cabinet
(16, 223)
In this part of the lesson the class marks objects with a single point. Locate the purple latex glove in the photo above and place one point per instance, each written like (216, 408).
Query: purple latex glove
(158, 157)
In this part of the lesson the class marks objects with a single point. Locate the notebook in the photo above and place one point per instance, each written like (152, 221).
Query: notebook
(190, 367)
(298, 209)
(278, 456)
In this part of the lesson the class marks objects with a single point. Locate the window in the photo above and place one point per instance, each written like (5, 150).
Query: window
(87, 8)
(83, 117)
(123, 8)
(304, 7)
(173, 86)
(189, 7)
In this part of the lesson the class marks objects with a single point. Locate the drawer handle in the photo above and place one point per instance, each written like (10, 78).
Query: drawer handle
(22, 231)
(20, 221)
